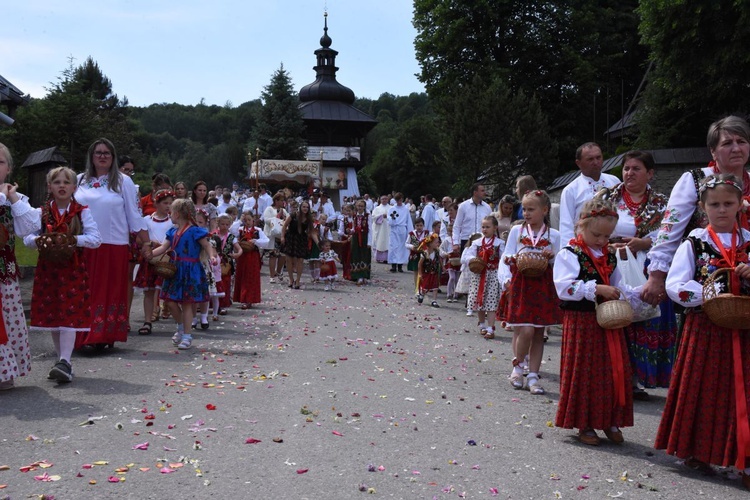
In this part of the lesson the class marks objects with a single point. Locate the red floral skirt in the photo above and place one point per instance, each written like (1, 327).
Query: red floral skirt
(699, 418)
(587, 391)
(247, 278)
(108, 277)
(532, 301)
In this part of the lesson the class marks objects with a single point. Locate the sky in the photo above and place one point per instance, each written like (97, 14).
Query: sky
(221, 51)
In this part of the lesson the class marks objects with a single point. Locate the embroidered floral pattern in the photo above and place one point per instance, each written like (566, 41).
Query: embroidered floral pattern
(686, 296)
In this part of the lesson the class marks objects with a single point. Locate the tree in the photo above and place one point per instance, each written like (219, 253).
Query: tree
(280, 130)
(699, 49)
(567, 54)
(496, 135)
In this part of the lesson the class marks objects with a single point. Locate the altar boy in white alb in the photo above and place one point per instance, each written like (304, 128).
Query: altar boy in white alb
(399, 221)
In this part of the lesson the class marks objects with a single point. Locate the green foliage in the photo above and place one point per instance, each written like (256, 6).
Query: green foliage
(701, 67)
(566, 54)
(496, 135)
(280, 131)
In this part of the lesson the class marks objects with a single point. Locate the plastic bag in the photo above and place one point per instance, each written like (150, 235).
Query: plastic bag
(631, 270)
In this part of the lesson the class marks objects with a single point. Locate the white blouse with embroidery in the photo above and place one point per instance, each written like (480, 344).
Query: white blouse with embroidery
(681, 287)
(116, 214)
(514, 245)
(89, 239)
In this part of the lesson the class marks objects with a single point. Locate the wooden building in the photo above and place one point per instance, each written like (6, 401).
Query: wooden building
(38, 164)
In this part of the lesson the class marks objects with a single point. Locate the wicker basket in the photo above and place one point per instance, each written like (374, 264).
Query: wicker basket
(477, 265)
(56, 247)
(455, 261)
(226, 268)
(247, 246)
(163, 266)
(614, 314)
(531, 264)
(725, 309)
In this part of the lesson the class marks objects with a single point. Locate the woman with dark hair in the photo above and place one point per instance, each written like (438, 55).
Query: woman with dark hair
(113, 200)
(651, 343)
(158, 182)
(199, 196)
(728, 140)
(297, 229)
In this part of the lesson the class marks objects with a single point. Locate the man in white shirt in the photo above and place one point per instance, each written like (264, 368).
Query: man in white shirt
(326, 206)
(315, 200)
(428, 212)
(469, 216)
(369, 205)
(265, 199)
(225, 203)
(442, 215)
(589, 160)
(252, 204)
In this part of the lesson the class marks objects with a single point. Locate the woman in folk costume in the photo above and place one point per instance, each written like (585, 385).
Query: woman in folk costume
(360, 255)
(380, 230)
(399, 221)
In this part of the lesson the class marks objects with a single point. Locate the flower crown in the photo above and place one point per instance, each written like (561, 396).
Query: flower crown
(202, 212)
(163, 193)
(426, 242)
(604, 212)
(713, 181)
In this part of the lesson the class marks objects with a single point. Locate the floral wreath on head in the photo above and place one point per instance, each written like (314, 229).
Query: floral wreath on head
(163, 193)
(712, 181)
(426, 242)
(604, 212)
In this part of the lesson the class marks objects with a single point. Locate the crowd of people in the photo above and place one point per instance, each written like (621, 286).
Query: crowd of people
(528, 265)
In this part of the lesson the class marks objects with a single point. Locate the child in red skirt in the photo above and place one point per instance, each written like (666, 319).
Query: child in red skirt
(60, 300)
(146, 279)
(532, 302)
(413, 241)
(595, 389)
(429, 268)
(705, 418)
(229, 250)
(247, 277)
(328, 259)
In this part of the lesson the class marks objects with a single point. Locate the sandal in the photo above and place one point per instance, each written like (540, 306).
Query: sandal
(245, 307)
(435, 304)
(588, 436)
(214, 318)
(516, 381)
(534, 387)
(145, 329)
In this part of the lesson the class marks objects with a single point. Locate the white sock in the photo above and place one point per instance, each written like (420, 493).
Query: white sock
(180, 328)
(67, 343)
(533, 378)
(215, 302)
(56, 341)
(195, 321)
(204, 317)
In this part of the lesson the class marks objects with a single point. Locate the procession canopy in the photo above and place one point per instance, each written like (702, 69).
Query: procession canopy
(301, 171)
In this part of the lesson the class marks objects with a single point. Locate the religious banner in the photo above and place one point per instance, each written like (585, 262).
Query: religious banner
(301, 171)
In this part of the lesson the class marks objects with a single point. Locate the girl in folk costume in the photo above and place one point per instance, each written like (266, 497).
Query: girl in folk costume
(313, 261)
(429, 268)
(189, 285)
(484, 294)
(16, 216)
(228, 250)
(146, 279)
(448, 254)
(247, 278)
(346, 230)
(412, 243)
(213, 274)
(361, 254)
(463, 285)
(61, 298)
(595, 373)
(328, 259)
(532, 302)
(705, 417)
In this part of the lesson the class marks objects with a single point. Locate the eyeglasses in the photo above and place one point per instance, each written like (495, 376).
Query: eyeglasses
(128, 172)
(102, 154)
